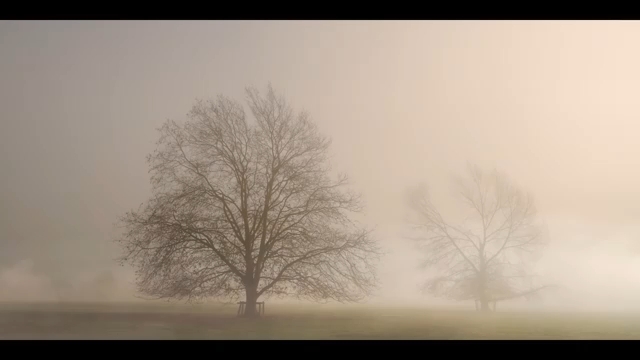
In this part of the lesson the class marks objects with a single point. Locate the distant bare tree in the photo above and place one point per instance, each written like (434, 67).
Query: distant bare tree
(244, 206)
(487, 256)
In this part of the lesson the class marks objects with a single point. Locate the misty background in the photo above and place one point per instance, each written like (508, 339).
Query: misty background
(552, 104)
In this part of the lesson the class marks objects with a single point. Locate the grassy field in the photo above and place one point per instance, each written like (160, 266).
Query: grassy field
(95, 321)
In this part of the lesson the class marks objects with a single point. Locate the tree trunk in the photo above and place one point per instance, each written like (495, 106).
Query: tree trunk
(484, 305)
(250, 309)
(483, 297)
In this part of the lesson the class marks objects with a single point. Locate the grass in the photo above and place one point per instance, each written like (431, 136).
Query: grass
(153, 321)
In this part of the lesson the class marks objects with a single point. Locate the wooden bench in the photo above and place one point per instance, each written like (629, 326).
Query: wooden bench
(243, 304)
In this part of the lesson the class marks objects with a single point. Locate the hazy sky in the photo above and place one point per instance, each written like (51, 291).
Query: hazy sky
(552, 104)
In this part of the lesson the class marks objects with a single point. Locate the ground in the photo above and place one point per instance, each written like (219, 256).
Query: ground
(95, 321)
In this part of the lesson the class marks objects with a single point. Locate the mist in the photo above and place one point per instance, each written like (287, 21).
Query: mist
(551, 104)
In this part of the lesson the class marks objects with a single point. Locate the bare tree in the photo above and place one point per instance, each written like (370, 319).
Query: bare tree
(487, 255)
(247, 207)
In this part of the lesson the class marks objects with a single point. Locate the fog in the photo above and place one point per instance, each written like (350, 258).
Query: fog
(551, 104)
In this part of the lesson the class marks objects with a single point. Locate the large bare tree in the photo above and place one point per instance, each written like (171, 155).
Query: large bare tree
(486, 255)
(247, 206)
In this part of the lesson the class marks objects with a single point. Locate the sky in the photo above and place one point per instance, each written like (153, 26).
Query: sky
(552, 104)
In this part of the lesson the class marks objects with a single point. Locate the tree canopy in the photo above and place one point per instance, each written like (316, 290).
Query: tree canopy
(487, 256)
(248, 206)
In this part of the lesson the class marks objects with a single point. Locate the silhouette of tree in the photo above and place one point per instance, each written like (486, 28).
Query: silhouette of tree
(487, 256)
(247, 207)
